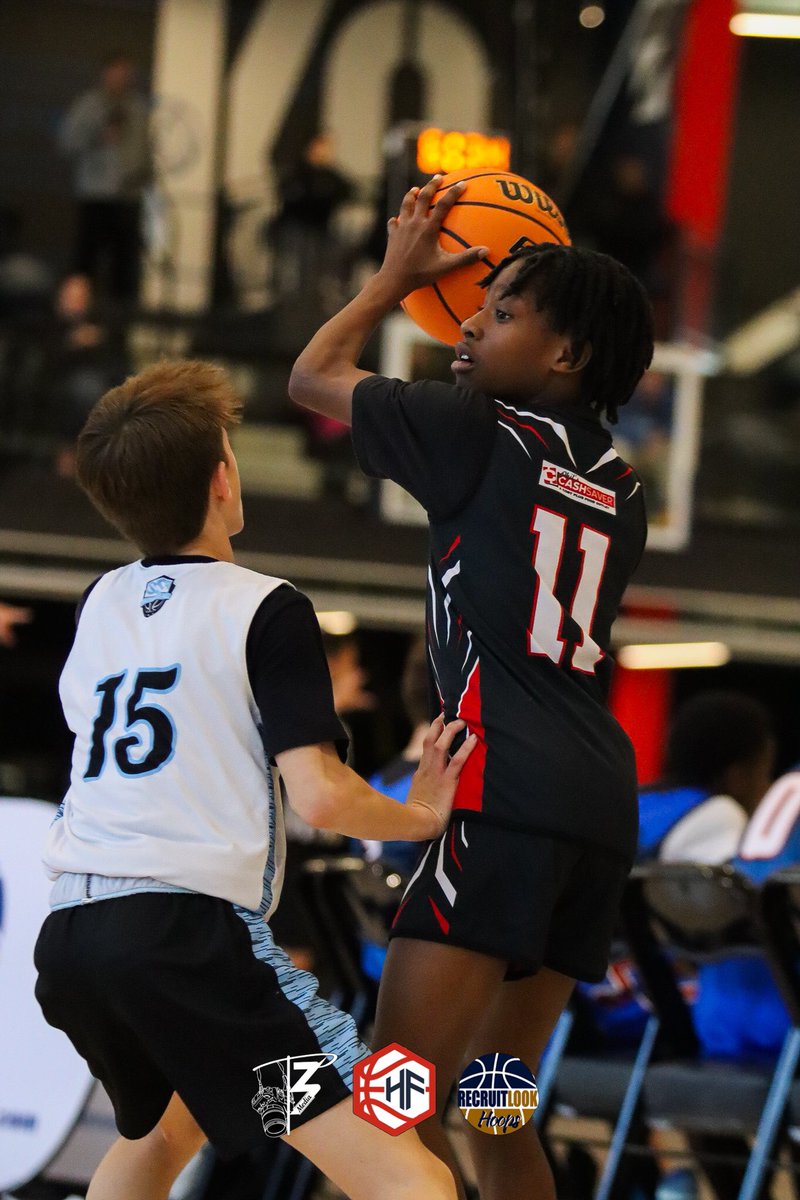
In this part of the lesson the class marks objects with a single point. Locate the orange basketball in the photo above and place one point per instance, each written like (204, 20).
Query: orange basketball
(498, 210)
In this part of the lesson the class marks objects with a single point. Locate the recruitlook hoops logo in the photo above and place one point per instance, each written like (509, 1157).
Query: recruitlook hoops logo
(497, 1094)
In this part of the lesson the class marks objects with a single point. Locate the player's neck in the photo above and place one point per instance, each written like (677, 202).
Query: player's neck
(568, 400)
(210, 544)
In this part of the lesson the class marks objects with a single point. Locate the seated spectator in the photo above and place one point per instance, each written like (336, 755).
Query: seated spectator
(395, 778)
(12, 616)
(719, 762)
(290, 924)
(719, 759)
(59, 364)
(739, 1012)
(305, 245)
(85, 355)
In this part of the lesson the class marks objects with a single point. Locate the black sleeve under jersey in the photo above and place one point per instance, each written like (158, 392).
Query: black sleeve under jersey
(84, 598)
(434, 439)
(289, 675)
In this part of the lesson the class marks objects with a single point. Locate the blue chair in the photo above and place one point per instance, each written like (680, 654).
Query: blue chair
(704, 914)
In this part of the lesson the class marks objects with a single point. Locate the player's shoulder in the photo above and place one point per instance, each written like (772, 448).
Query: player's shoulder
(235, 575)
(421, 391)
(100, 585)
(575, 454)
(228, 587)
(372, 384)
(153, 582)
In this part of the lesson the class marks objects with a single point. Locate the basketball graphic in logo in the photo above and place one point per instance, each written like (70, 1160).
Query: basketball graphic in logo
(497, 1094)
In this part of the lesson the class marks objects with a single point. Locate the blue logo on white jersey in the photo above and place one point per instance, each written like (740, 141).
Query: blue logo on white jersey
(156, 594)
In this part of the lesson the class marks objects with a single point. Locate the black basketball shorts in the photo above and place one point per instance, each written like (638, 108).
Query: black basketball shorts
(532, 899)
(164, 993)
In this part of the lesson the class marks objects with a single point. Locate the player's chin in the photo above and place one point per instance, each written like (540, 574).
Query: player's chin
(465, 375)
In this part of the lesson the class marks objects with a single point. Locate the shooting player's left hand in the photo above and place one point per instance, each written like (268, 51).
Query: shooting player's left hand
(414, 256)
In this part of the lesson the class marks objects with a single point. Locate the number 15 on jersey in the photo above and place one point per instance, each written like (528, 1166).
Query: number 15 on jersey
(156, 734)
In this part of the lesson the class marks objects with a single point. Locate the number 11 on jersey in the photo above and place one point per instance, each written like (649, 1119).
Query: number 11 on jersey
(547, 618)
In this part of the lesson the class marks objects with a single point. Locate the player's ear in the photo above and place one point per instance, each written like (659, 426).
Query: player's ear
(220, 484)
(572, 359)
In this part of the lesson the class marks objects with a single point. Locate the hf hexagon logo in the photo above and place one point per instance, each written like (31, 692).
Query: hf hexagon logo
(394, 1089)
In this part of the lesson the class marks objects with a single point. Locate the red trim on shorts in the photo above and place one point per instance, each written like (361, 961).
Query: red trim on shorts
(444, 924)
(400, 909)
(453, 847)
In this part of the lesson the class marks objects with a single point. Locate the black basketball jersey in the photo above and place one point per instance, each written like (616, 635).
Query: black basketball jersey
(536, 526)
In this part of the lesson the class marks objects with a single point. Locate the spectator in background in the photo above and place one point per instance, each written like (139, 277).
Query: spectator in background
(57, 364)
(26, 281)
(305, 247)
(719, 760)
(290, 923)
(11, 615)
(626, 219)
(395, 778)
(348, 677)
(106, 134)
(84, 356)
(719, 763)
(739, 1013)
(26, 288)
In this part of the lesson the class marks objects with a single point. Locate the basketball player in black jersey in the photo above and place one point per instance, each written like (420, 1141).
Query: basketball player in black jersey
(536, 526)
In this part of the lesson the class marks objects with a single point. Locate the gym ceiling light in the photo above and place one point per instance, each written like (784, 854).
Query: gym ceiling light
(767, 18)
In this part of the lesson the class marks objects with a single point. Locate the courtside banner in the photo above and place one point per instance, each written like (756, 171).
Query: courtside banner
(44, 1084)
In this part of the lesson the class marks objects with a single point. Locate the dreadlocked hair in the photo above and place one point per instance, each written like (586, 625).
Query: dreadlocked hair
(595, 300)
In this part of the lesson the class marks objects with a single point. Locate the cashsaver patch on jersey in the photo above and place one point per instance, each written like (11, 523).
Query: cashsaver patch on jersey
(568, 483)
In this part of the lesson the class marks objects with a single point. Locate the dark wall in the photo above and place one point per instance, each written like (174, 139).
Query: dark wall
(50, 51)
(760, 259)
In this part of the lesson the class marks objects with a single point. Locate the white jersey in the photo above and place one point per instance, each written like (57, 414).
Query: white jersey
(169, 779)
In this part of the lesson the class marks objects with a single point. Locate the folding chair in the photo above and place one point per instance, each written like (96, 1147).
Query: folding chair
(780, 919)
(703, 914)
(597, 1083)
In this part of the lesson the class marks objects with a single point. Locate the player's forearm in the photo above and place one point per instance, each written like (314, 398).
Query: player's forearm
(351, 807)
(323, 376)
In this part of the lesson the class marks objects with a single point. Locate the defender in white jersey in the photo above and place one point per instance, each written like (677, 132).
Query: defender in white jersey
(191, 683)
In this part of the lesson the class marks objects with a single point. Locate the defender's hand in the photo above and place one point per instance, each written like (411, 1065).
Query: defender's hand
(434, 784)
(414, 256)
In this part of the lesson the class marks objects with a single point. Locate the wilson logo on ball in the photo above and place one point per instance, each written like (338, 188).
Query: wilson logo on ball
(394, 1089)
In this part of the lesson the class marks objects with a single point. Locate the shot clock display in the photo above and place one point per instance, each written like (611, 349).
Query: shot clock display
(415, 151)
(446, 150)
